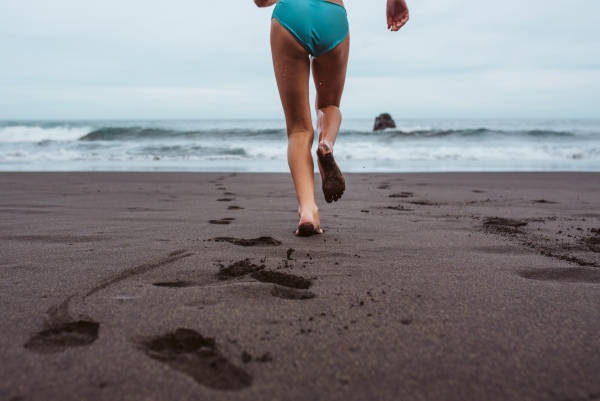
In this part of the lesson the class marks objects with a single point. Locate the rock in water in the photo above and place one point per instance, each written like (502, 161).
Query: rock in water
(384, 121)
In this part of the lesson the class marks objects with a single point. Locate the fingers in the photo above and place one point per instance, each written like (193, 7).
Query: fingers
(395, 26)
(390, 12)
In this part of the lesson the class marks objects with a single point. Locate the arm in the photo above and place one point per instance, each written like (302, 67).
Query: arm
(397, 14)
(265, 3)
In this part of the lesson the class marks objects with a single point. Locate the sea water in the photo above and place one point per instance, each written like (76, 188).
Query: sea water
(261, 145)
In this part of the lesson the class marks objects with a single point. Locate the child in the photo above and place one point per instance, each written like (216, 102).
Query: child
(305, 35)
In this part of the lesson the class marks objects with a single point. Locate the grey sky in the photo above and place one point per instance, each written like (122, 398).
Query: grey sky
(201, 59)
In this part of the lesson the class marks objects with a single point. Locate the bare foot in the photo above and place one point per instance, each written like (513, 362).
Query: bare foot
(334, 183)
(309, 224)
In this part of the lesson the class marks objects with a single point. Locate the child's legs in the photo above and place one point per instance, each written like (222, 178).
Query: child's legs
(329, 73)
(292, 71)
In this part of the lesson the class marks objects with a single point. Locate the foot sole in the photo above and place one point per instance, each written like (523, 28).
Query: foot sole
(333, 180)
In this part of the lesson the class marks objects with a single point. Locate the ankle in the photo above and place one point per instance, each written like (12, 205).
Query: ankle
(312, 209)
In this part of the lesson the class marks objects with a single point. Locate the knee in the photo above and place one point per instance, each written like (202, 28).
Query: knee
(329, 108)
(301, 136)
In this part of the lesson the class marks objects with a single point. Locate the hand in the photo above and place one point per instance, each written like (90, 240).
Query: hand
(397, 14)
(265, 3)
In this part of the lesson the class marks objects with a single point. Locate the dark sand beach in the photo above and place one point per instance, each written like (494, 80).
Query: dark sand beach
(192, 286)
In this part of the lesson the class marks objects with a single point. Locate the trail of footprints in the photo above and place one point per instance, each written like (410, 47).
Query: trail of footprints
(512, 228)
(184, 349)
(286, 286)
(189, 352)
(565, 275)
(62, 331)
(220, 186)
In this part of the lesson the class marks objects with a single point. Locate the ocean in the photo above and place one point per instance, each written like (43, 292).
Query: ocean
(417, 145)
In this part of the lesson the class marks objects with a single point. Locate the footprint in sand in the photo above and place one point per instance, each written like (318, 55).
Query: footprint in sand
(400, 208)
(58, 337)
(593, 243)
(291, 293)
(563, 275)
(287, 286)
(174, 284)
(499, 221)
(143, 209)
(261, 241)
(402, 195)
(63, 331)
(289, 253)
(189, 352)
(424, 203)
(238, 269)
(226, 220)
(283, 279)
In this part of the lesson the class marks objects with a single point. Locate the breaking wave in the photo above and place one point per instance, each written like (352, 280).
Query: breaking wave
(432, 144)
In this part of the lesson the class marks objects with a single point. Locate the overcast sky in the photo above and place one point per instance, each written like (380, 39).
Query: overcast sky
(77, 59)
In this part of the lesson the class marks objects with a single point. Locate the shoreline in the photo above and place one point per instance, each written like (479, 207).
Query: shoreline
(255, 166)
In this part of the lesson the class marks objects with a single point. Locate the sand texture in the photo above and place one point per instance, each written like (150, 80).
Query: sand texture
(183, 286)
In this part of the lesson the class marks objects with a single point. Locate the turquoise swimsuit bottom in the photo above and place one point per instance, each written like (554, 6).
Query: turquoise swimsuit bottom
(318, 25)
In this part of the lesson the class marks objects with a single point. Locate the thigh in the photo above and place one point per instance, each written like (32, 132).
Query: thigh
(292, 71)
(329, 73)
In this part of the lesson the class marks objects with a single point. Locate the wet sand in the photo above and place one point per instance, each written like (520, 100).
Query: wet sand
(190, 286)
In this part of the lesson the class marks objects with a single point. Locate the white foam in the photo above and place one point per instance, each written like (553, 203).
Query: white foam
(22, 133)
(52, 144)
